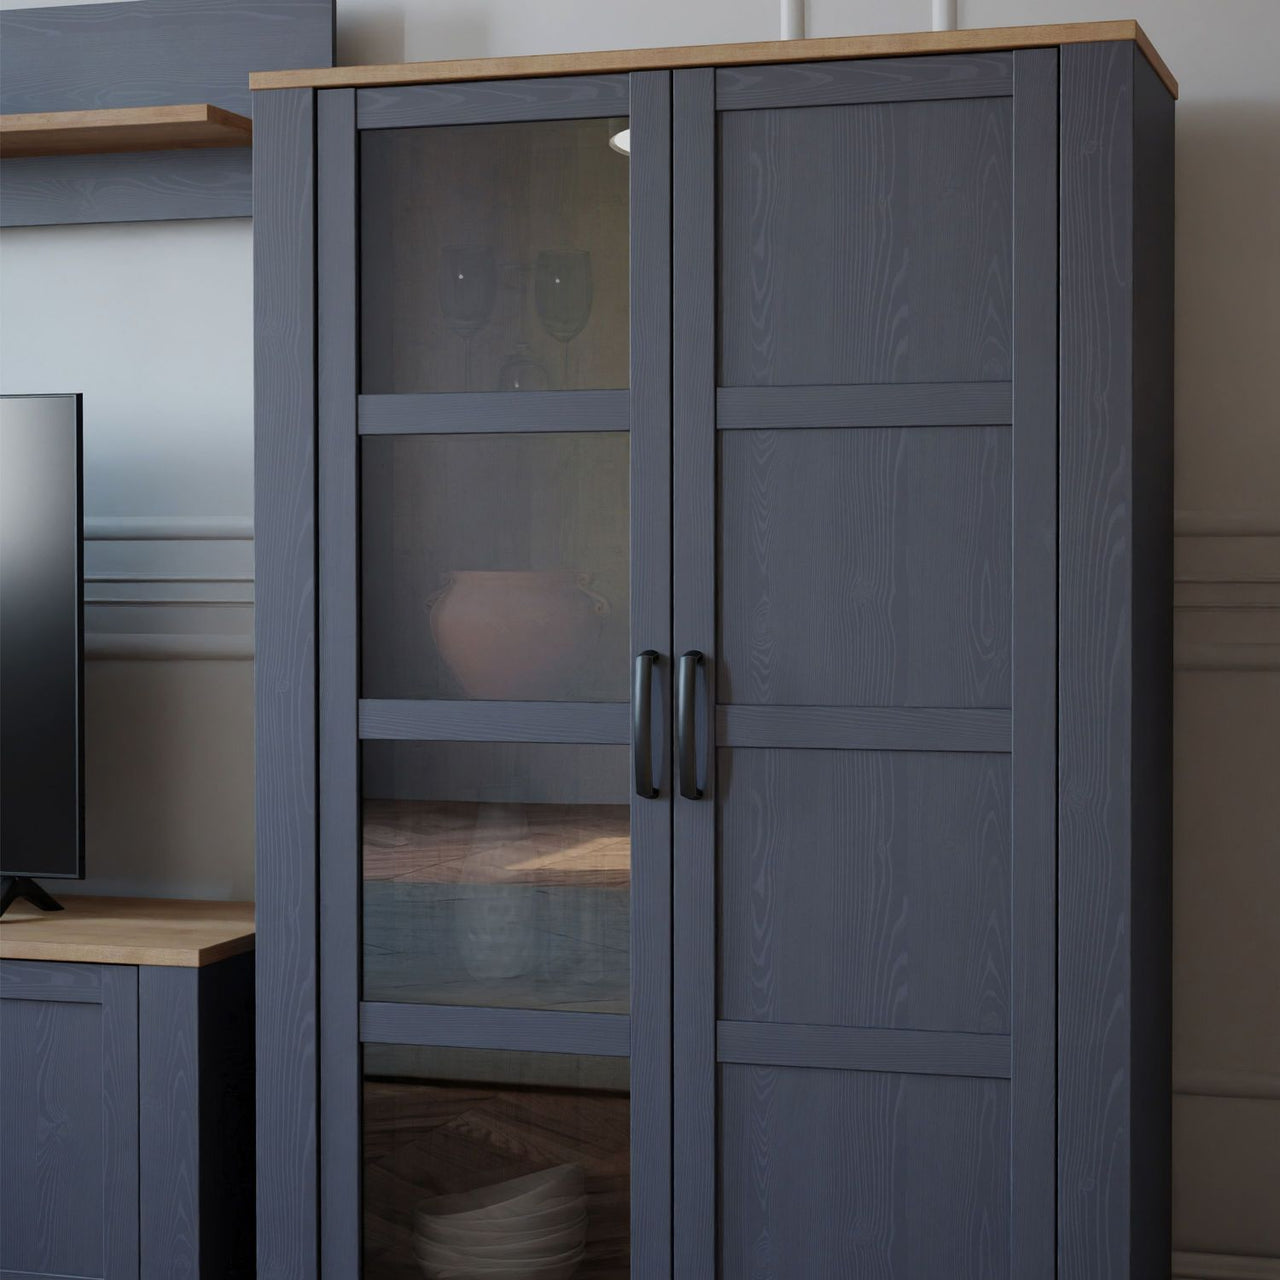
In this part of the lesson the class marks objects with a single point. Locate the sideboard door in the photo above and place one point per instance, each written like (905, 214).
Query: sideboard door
(865, 433)
(68, 1120)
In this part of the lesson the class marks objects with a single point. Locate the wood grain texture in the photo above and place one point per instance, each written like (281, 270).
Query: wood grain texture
(824, 84)
(1033, 868)
(863, 244)
(850, 1175)
(864, 728)
(883, 404)
(865, 889)
(50, 133)
(144, 186)
(530, 1030)
(561, 98)
(1113, 716)
(788, 1044)
(505, 411)
(693, 587)
(337, 228)
(149, 931)
(650, 573)
(69, 1125)
(285, 683)
(442, 720)
(865, 568)
(974, 40)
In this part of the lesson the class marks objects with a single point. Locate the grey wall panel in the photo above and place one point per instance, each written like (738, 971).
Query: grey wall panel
(865, 243)
(899, 1177)
(140, 187)
(284, 630)
(865, 888)
(155, 52)
(865, 568)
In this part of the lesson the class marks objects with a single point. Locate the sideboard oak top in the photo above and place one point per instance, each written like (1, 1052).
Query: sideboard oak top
(977, 40)
(148, 931)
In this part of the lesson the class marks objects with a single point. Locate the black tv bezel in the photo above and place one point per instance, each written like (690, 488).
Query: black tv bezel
(79, 873)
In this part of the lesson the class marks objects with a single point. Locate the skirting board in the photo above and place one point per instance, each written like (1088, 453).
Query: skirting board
(1224, 1266)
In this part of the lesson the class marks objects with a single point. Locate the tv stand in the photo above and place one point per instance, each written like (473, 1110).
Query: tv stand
(14, 887)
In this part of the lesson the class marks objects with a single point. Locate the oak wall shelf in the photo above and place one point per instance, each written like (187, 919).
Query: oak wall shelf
(165, 128)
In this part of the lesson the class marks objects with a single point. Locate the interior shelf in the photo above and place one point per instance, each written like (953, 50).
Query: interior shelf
(59, 133)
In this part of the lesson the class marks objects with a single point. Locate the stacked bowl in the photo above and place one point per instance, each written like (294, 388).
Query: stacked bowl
(530, 1228)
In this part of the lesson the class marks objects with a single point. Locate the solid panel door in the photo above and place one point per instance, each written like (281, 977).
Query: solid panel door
(494, 463)
(865, 540)
(69, 1120)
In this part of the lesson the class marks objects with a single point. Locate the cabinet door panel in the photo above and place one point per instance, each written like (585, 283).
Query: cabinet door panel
(866, 567)
(865, 888)
(866, 243)
(897, 1177)
(69, 1120)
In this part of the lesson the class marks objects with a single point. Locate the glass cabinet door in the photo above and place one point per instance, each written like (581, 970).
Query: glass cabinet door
(511, 888)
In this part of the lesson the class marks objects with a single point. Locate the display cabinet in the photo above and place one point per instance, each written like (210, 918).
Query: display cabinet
(713, 675)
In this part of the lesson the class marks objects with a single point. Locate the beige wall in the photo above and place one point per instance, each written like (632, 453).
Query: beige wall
(170, 745)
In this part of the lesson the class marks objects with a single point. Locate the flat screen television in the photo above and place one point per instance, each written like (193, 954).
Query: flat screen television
(41, 646)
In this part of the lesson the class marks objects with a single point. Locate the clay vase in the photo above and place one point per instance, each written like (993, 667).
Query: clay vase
(516, 635)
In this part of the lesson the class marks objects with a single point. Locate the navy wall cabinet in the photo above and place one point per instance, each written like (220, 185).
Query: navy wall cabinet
(714, 532)
(126, 1120)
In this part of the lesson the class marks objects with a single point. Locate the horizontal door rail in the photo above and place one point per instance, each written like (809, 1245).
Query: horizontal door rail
(888, 404)
(493, 102)
(814, 84)
(430, 720)
(77, 983)
(935, 1053)
(866, 728)
(530, 1030)
(506, 411)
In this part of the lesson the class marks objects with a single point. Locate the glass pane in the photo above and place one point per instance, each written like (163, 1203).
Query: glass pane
(494, 257)
(496, 566)
(497, 874)
(531, 1149)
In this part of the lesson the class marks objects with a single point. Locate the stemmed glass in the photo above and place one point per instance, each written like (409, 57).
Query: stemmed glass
(562, 295)
(468, 290)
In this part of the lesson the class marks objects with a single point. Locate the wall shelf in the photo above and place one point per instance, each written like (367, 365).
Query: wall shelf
(162, 128)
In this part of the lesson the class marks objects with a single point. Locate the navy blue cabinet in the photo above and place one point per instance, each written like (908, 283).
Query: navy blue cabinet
(713, 534)
(126, 1120)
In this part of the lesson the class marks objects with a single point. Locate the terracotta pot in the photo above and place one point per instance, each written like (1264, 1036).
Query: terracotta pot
(518, 636)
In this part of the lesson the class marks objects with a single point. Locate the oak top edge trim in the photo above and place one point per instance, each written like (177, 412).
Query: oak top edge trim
(152, 128)
(974, 40)
(155, 931)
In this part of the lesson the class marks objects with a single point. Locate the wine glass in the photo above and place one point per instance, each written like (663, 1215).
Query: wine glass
(562, 295)
(468, 289)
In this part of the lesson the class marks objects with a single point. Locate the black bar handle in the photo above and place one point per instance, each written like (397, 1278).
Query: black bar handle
(686, 724)
(642, 723)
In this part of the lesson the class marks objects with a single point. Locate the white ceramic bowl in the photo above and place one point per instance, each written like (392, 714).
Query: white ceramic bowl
(538, 1231)
(511, 1199)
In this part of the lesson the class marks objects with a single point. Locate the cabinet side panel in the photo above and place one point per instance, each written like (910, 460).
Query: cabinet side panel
(1096, 572)
(1152, 870)
(120, 1119)
(284, 416)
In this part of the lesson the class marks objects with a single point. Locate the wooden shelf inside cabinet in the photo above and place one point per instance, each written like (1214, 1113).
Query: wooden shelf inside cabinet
(67, 133)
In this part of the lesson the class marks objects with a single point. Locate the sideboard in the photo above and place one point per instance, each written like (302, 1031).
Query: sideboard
(126, 1091)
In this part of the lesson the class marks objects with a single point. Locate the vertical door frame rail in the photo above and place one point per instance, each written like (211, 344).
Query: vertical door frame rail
(344, 720)
(1029, 406)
